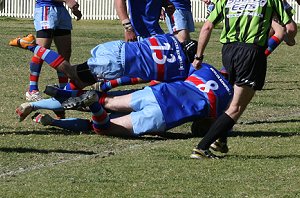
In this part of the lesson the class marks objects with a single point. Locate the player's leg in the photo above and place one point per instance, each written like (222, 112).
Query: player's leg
(107, 85)
(146, 116)
(26, 108)
(90, 99)
(72, 124)
(62, 40)
(241, 98)
(56, 61)
(181, 24)
(43, 38)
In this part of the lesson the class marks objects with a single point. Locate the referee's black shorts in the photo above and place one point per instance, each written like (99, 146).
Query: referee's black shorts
(245, 63)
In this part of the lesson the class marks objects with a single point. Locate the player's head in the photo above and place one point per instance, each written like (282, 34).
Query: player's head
(190, 49)
(201, 126)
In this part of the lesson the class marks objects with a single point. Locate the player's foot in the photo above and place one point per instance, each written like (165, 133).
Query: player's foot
(203, 154)
(24, 42)
(219, 146)
(44, 119)
(23, 111)
(33, 96)
(84, 100)
(51, 90)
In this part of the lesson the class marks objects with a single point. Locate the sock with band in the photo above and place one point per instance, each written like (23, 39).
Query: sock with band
(273, 43)
(109, 84)
(219, 127)
(35, 69)
(51, 57)
(100, 118)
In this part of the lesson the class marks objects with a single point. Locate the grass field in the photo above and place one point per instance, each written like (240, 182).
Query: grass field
(37, 161)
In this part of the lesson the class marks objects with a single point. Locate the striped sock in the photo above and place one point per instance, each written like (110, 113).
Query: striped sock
(49, 56)
(102, 97)
(100, 118)
(109, 84)
(69, 91)
(35, 69)
(273, 43)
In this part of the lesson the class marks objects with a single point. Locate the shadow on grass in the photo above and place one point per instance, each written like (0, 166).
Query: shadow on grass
(49, 131)
(247, 157)
(43, 151)
(263, 134)
(169, 135)
(55, 131)
(270, 121)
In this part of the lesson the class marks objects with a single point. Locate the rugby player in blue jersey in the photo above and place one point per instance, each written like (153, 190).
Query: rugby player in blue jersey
(144, 17)
(52, 22)
(181, 22)
(160, 57)
(204, 94)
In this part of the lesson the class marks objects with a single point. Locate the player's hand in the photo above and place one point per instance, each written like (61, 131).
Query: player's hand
(76, 11)
(197, 64)
(130, 36)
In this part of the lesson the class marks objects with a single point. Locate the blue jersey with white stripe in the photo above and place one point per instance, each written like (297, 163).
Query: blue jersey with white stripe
(205, 93)
(144, 16)
(41, 3)
(156, 58)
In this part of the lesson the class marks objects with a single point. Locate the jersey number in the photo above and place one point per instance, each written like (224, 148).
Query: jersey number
(158, 51)
(209, 85)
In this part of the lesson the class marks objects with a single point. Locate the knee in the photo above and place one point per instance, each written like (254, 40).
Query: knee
(234, 111)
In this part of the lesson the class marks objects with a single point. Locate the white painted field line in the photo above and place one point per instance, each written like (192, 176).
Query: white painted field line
(103, 154)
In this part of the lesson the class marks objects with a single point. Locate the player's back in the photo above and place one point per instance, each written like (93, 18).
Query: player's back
(145, 17)
(205, 93)
(156, 58)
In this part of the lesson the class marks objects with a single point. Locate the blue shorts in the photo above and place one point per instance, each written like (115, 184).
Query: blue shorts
(51, 17)
(180, 20)
(108, 60)
(147, 116)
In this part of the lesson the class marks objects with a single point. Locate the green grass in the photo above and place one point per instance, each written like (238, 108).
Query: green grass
(37, 161)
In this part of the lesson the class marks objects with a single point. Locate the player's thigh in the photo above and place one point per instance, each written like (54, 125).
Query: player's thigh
(64, 45)
(147, 116)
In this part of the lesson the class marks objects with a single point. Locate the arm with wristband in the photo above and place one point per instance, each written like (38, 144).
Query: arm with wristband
(121, 8)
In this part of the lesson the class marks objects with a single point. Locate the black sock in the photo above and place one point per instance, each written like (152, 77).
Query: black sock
(219, 127)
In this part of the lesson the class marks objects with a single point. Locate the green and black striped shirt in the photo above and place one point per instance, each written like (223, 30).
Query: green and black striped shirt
(246, 21)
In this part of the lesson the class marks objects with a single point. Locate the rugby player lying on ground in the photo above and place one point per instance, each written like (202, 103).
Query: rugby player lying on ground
(155, 109)
(161, 57)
